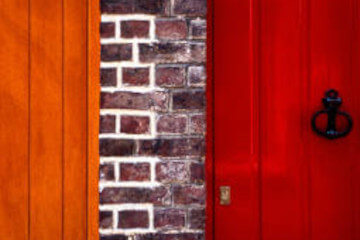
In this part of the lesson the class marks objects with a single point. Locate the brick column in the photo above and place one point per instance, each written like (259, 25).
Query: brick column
(152, 142)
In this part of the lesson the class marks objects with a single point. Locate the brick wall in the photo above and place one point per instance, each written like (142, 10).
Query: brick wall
(152, 119)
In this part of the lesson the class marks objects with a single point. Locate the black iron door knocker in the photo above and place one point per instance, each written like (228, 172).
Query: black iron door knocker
(332, 103)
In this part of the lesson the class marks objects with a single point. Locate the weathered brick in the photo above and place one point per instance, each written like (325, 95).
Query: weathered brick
(196, 75)
(135, 124)
(173, 236)
(169, 218)
(198, 124)
(164, 52)
(172, 147)
(133, 219)
(159, 196)
(159, 7)
(171, 29)
(198, 29)
(138, 101)
(171, 124)
(105, 219)
(116, 147)
(118, 6)
(107, 124)
(107, 30)
(170, 76)
(114, 237)
(116, 52)
(185, 100)
(172, 172)
(190, 7)
(198, 52)
(135, 172)
(187, 195)
(135, 29)
(107, 172)
(171, 52)
(135, 76)
(197, 218)
(108, 77)
(197, 171)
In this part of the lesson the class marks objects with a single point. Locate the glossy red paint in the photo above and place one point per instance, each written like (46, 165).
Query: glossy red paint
(270, 64)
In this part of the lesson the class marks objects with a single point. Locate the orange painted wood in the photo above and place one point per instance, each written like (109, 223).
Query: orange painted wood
(93, 102)
(49, 113)
(46, 121)
(75, 118)
(14, 112)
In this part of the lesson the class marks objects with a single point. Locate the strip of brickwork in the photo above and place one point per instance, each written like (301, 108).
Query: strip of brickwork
(152, 125)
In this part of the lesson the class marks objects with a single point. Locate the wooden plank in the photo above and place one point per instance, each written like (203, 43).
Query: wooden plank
(93, 87)
(335, 164)
(235, 163)
(46, 92)
(75, 107)
(14, 112)
(283, 124)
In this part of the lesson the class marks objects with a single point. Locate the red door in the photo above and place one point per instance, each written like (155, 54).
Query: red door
(273, 62)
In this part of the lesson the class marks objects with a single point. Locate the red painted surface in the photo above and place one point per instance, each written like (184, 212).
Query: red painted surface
(273, 61)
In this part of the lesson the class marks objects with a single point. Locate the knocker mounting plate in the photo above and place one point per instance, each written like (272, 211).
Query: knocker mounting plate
(332, 103)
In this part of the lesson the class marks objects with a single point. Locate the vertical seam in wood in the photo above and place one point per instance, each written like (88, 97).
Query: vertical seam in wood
(29, 119)
(63, 120)
(88, 30)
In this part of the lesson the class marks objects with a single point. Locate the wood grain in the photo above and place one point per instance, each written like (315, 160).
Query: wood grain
(75, 117)
(46, 92)
(14, 112)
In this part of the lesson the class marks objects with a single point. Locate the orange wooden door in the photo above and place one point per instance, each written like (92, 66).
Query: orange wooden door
(44, 120)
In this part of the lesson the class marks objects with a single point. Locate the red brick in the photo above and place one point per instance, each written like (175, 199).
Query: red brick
(169, 218)
(171, 29)
(135, 172)
(159, 196)
(105, 219)
(198, 52)
(198, 124)
(135, 124)
(172, 172)
(116, 52)
(172, 236)
(188, 195)
(170, 76)
(197, 171)
(135, 76)
(107, 172)
(159, 7)
(164, 52)
(190, 7)
(133, 219)
(116, 147)
(197, 219)
(172, 147)
(171, 124)
(135, 29)
(108, 77)
(198, 29)
(185, 100)
(196, 75)
(114, 237)
(137, 101)
(107, 30)
(107, 124)
(118, 6)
